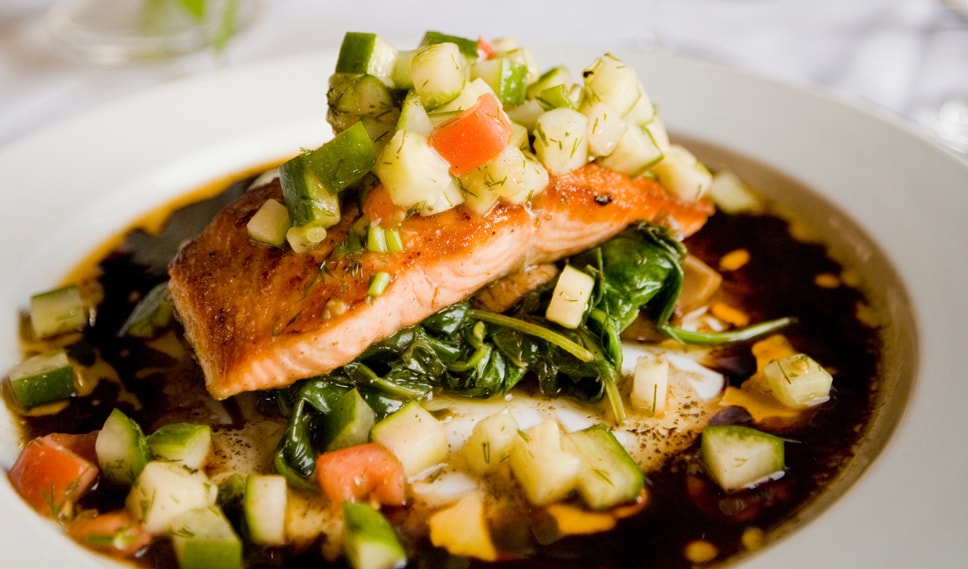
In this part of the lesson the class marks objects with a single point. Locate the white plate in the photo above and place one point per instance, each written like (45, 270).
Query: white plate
(70, 187)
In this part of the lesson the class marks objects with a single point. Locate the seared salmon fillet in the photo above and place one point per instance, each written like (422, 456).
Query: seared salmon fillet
(260, 317)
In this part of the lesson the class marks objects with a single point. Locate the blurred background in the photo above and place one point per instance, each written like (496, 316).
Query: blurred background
(904, 57)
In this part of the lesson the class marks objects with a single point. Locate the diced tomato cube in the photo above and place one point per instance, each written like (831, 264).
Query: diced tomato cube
(367, 471)
(475, 137)
(51, 477)
(116, 533)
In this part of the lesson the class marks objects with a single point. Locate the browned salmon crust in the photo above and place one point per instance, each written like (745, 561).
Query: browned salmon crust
(262, 318)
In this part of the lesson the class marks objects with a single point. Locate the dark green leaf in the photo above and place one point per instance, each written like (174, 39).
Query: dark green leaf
(474, 353)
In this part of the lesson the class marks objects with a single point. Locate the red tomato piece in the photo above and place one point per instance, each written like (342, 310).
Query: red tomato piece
(367, 471)
(475, 137)
(485, 50)
(51, 478)
(116, 533)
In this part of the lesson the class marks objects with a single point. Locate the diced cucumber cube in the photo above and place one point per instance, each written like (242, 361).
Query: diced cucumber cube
(309, 202)
(57, 311)
(650, 384)
(342, 161)
(798, 381)
(439, 72)
(380, 129)
(349, 422)
(738, 457)
(269, 224)
(204, 539)
(526, 114)
(165, 490)
(43, 378)
(520, 137)
(122, 448)
(525, 57)
(150, 316)
(504, 44)
(642, 112)
(558, 97)
(264, 505)
(478, 196)
(365, 53)
(466, 46)
(490, 442)
(413, 116)
(605, 128)
(659, 134)
(610, 80)
(340, 85)
(731, 194)
(366, 95)
(561, 140)
(634, 153)
(466, 100)
(682, 173)
(184, 443)
(555, 76)
(312, 180)
(546, 472)
(369, 541)
(569, 300)
(416, 176)
(608, 475)
(528, 176)
(400, 76)
(414, 436)
(506, 77)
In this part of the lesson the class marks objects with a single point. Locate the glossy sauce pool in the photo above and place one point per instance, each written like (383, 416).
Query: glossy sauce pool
(784, 277)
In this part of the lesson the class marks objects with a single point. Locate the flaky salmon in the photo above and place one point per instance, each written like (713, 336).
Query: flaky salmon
(260, 317)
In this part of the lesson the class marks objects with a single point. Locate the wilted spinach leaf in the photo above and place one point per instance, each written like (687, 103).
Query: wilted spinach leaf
(474, 353)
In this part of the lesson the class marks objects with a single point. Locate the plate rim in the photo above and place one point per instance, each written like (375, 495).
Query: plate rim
(825, 542)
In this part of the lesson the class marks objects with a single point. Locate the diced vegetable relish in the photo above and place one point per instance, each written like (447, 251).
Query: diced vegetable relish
(541, 478)
(442, 118)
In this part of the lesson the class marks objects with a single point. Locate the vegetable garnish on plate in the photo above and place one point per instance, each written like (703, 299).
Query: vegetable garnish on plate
(465, 329)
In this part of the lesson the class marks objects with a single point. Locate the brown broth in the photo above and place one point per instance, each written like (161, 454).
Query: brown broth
(778, 281)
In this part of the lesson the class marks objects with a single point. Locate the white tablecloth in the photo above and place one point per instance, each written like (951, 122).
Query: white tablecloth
(902, 55)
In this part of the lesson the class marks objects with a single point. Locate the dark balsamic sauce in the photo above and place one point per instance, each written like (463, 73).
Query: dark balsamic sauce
(684, 506)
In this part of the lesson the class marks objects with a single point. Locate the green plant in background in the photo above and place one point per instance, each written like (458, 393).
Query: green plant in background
(218, 17)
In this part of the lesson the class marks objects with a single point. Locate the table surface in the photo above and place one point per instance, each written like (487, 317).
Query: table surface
(901, 55)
